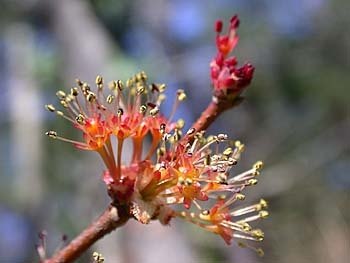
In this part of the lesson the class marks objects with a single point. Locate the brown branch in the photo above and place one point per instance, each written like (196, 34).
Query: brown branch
(212, 112)
(112, 218)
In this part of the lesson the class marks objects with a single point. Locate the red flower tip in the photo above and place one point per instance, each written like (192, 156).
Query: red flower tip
(234, 21)
(218, 26)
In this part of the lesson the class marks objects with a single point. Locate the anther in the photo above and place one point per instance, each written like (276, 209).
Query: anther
(154, 111)
(205, 212)
(161, 87)
(141, 89)
(256, 173)
(191, 131)
(143, 108)
(120, 112)
(79, 82)
(91, 97)
(181, 181)
(240, 197)
(263, 214)
(74, 91)
(207, 160)
(231, 161)
(129, 83)
(99, 80)
(112, 85)
(49, 107)
(228, 151)
(222, 178)
(64, 104)
(51, 134)
(188, 182)
(143, 76)
(80, 119)
(258, 234)
(162, 128)
(59, 113)
(180, 124)
(110, 99)
(61, 94)
(252, 181)
(260, 252)
(221, 197)
(222, 137)
(161, 151)
(258, 165)
(181, 95)
(263, 203)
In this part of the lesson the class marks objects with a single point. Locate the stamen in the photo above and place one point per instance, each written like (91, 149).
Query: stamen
(49, 107)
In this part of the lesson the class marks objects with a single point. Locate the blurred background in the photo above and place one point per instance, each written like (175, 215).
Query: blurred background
(295, 118)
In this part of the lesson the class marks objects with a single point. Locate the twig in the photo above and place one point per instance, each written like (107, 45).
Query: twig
(112, 218)
(217, 106)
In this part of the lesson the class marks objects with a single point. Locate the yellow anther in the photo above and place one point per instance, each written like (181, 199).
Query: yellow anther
(161, 151)
(140, 89)
(228, 151)
(252, 181)
(246, 226)
(221, 197)
(61, 94)
(98, 258)
(64, 104)
(240, 197)
(80, 119)
(232, 161)
(181, 181)
(239, 146)
(263, 214)
(85, 87)
(258, 234)
(69, 98)
(120, 112)
(154, 111)
(241, 244)
(143, 76)
(222, 178)
(188, 182)
(181, 95)
(74, 91)
(129, 83)
(91, 97)
(207, 160)
(260, 252)
(49, 107)
(99, 80)
(51, 134)
(112, 85)
(162, 128)
(256, 173)
(59, 113)
(191, 131)
(180, 124)
(205, 212)
(222, 137)
(162, 87)
(263, 203)
(79, 82)
(143, 108)
(161, 98)
(258, 165)
(110, 99)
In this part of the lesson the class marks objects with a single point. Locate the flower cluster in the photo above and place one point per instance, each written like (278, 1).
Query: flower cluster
(227, 78)
(186, 169)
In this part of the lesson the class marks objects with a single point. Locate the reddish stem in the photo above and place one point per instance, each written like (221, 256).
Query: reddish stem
(112, 218)
(213, 111)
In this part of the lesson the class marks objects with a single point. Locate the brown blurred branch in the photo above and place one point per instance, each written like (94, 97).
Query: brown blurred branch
(112, 218)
